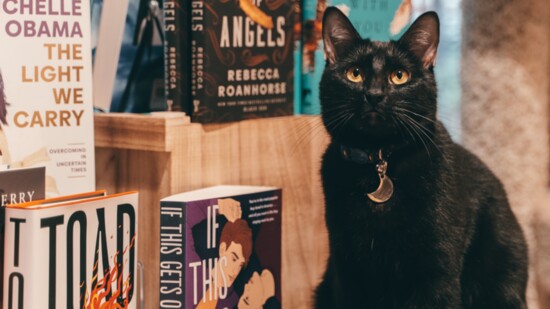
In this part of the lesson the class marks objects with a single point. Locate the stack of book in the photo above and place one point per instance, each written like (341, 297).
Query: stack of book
(229, 60)
(59, 246)
(66, 245)
(223, 60)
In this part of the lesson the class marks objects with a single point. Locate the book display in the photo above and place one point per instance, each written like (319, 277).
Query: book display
(181, 156)
(167, 153)
(227, 78)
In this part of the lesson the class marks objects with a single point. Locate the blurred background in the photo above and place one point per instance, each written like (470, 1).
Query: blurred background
(448, 61)
(493, 71)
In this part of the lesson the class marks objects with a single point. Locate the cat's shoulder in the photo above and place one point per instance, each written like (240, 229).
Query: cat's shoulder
(461, 156)
(465, 157)
(473, 169)
(467, 165)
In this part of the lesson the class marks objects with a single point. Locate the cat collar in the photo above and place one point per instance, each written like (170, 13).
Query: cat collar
(360, 156)
(385, 187)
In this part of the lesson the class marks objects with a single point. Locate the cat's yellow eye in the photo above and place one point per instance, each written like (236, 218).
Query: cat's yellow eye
(355, 75)
(399, 77)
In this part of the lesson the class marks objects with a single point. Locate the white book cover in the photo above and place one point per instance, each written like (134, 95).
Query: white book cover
(46, 107)
(80, 253)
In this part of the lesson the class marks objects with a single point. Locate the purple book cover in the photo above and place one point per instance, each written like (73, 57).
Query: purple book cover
(231, 255)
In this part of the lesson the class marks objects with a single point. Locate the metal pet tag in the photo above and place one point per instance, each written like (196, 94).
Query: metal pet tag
(385, 189)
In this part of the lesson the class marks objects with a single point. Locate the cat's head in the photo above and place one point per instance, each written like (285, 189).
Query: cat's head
(375, 94)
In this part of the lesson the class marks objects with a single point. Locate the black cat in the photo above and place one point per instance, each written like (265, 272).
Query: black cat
(414, 220)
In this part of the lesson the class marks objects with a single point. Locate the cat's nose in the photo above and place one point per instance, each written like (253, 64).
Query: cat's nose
(374, 97)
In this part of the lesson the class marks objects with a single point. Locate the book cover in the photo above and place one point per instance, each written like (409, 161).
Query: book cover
(242, 59)
(221, 248)
(177, 57)
(87, 249)
(371, 18)
(128, 55)
(22, 185)
(18, 186)
(108, 20)
(46, 112)
(297, 28)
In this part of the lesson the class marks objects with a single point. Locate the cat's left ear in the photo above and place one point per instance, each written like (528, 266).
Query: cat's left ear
(338, 34)
(422, 38)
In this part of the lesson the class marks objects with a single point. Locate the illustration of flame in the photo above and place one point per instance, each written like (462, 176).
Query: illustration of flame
(98, 296)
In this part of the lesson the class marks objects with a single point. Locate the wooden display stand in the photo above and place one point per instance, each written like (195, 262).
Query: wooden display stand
(164, 154)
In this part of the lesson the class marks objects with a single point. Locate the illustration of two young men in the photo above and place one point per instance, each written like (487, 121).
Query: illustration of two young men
(237, 273)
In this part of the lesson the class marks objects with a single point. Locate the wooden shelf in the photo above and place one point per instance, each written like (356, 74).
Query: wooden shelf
(164, 154)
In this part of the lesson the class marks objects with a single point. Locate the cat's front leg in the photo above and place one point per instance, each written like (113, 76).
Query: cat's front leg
(324, 298)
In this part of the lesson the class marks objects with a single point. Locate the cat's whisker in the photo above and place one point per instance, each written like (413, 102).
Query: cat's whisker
(441, 115)
(426, 132)
(418, 109)
(336, 109)
(338, 122)
(348, 118)
(407, 129)
(415, 114)
(304, 132)
(418, 132)
(337, 118)
(416, 126)
(399, 127)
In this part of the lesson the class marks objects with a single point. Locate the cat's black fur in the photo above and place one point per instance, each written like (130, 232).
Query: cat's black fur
(447, 238)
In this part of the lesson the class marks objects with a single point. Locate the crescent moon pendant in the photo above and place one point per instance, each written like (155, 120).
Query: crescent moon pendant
(384, 191)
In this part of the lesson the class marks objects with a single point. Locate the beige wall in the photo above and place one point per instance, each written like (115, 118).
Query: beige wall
(505, 81)
(542, 228)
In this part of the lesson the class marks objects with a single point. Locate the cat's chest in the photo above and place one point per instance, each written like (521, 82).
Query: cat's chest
(358, 187)
(349, 190)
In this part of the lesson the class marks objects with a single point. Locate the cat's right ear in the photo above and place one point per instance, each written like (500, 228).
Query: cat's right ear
(338, 34)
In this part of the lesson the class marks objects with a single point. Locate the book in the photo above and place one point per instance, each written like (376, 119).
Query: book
(18, 186)
(22, 185)
(128, 55)
(221, 248)
(108, 19)
(371, 18)
(242, 59)
(177, 57)
(86, 246)
(46, 112)
(297, 29)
